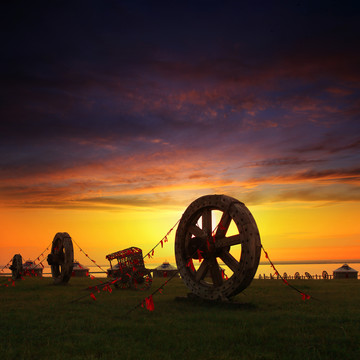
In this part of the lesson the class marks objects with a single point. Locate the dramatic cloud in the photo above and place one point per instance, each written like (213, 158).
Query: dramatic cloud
(110, 104)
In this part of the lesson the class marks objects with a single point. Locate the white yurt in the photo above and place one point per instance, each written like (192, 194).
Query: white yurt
(165, 270)
(80, 270)
(345, 272)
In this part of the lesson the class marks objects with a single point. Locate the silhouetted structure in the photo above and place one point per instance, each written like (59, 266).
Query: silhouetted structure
(165, 270)
(345, 272)
(79, 270)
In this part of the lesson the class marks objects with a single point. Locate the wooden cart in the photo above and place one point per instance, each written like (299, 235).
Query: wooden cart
(129, 270)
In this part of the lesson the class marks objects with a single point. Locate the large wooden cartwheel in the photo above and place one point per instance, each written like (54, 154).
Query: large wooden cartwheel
(61, 258)
(217, 228)
(16, 267)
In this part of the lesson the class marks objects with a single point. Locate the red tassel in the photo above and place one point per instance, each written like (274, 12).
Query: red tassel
(149, 303)
(166, 239)
(152, 254)
(92, 277)
(190, 265)
(221, 226)
(93, 296)
(162, 244)
(199, 255)
(305, 296)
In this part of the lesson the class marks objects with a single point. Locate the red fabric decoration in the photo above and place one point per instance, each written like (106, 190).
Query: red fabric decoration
(162, 244)
(305, 296)
(191, 265)
(152, 254)
(166, 239)
(221, 226)
(149, 303)
(93, 296)
(92, 277)
(199, 255)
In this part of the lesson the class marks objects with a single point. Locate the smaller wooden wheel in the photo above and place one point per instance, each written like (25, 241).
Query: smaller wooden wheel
(16, 267)
(308, 275)
(61, 258)
(122, 280)
(141, 279)
(297, 275)
(325, 275)
(285, 276)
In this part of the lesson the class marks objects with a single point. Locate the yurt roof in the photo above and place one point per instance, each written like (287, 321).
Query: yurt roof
(345, 268)
(166, 266)
(78, 266)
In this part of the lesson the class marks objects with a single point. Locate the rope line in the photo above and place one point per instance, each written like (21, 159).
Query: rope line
(93, 261)
(160, 288)
(7, 265)
(150, 254)
(38, 258)
(304, 295)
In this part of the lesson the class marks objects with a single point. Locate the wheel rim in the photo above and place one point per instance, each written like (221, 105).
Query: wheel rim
(220, 229)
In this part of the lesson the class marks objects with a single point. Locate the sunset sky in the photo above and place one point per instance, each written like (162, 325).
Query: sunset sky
(116, 115)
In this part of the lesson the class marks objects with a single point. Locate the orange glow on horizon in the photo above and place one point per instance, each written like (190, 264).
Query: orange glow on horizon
(288, 231)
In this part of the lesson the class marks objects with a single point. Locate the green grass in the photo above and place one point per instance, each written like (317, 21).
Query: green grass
(267, 321)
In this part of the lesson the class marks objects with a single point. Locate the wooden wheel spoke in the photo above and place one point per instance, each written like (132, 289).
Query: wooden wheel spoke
(229, 241)
(202, 271)
(230, 261)
(206, 221)
(215, 272)
(195, 230)
(223, 225)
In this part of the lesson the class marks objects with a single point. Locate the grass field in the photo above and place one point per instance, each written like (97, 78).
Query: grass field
(267, 321)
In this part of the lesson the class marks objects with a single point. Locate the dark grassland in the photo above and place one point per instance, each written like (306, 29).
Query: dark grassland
(267, 321)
